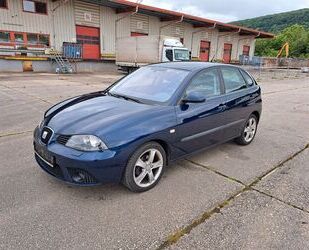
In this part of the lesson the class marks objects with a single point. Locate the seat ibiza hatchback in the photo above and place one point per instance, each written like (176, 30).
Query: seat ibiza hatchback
(132, 130)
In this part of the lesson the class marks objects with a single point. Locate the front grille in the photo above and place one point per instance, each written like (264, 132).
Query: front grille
(81, 176)
(55, 171)
(63, 139)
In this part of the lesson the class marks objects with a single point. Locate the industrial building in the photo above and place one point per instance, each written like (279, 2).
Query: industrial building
(37, 25)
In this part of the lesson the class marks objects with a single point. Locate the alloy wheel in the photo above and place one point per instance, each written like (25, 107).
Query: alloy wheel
(148, 168)
(250, 129)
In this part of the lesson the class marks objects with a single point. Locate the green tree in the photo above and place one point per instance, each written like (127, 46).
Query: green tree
(296, 35)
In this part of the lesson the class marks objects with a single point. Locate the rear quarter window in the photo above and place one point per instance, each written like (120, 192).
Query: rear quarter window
(249, 80)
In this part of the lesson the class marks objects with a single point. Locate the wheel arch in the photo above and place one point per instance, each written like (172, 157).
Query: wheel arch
(165, 146)
(257, 115)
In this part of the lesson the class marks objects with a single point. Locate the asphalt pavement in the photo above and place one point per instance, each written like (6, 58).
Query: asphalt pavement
(228, 197)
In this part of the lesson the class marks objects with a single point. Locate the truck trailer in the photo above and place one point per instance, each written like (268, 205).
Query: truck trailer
(134, 52)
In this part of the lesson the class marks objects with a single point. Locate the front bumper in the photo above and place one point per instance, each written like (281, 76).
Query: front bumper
(76, 167)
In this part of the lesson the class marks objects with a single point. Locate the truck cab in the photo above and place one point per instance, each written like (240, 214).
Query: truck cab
(174, 50)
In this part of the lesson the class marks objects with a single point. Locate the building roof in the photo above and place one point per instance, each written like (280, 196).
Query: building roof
(169, 15)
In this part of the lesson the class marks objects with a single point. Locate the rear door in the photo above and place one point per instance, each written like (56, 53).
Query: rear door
(238, 100)
(200, 123)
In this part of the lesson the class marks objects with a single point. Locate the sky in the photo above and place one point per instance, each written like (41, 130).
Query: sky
(228, 10)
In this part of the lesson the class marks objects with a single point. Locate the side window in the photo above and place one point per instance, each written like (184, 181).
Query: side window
(233, 79)
(248, 78)
(206, 82)
(169, 54)
(4, 37)
(3, 4)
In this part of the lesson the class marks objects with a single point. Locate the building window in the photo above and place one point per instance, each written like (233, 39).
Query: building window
(34, 7)
(32, 39)
(44, 40)
(4, 37)
(25, 39)
(19, 38)
(3, 4)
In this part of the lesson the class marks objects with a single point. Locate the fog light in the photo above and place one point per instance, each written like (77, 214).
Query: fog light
(78, 177)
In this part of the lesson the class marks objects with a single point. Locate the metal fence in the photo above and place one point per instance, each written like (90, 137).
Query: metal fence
(264, 69)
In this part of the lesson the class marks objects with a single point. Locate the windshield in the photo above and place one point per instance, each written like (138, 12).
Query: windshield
(182, 55)
(156, 84)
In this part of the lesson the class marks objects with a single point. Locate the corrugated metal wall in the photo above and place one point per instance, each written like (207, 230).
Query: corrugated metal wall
(61, 26)
(87, 14)
(174, 30)
(209, 35)
(139, 23)
(107, 30)
(230, 38)
(154, 26)
(123, 25)
(64, 24)
(14, 19)
(248, 41)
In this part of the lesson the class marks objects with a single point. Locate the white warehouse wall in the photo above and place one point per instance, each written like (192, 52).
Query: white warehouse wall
(60, 24)
(15, 19)
(107, 31)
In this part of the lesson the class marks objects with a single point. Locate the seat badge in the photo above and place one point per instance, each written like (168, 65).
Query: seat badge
(44, 135)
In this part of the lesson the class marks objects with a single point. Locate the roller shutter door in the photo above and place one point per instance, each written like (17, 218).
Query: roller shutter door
(89, 37)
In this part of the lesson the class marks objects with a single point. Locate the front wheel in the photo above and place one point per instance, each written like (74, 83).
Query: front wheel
(248, 132)
(145, 167)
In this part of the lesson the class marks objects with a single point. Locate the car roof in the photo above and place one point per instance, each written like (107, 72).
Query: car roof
(189, 66)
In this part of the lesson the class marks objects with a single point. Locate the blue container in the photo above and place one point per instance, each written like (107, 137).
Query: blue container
(72, 50)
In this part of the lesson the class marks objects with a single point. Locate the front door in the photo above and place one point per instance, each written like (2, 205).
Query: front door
(204, 51)
(200, 123)
(227, 52)
(89, 37)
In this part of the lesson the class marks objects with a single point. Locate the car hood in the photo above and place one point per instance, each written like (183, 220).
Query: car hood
(105, 116)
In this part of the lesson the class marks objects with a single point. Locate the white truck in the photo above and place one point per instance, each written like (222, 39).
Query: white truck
(134, 52)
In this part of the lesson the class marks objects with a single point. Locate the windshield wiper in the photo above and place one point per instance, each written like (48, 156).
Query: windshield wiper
(124, 97)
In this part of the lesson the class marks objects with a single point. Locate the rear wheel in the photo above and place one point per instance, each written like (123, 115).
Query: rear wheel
(145, 167)
(248, 132)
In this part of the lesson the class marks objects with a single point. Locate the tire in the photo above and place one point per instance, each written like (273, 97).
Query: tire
(248, 131)
(145, 167)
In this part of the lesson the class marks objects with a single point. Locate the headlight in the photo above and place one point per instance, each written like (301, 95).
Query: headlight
(86, 143)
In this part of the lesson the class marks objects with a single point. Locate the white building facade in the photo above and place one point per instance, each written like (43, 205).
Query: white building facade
(96, 24)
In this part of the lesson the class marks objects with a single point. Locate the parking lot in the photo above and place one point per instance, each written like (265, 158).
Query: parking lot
(229, 197)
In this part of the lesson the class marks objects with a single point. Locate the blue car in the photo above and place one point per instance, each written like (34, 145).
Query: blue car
(131, 131)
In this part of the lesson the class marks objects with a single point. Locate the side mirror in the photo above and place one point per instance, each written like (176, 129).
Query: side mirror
(194, 97)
